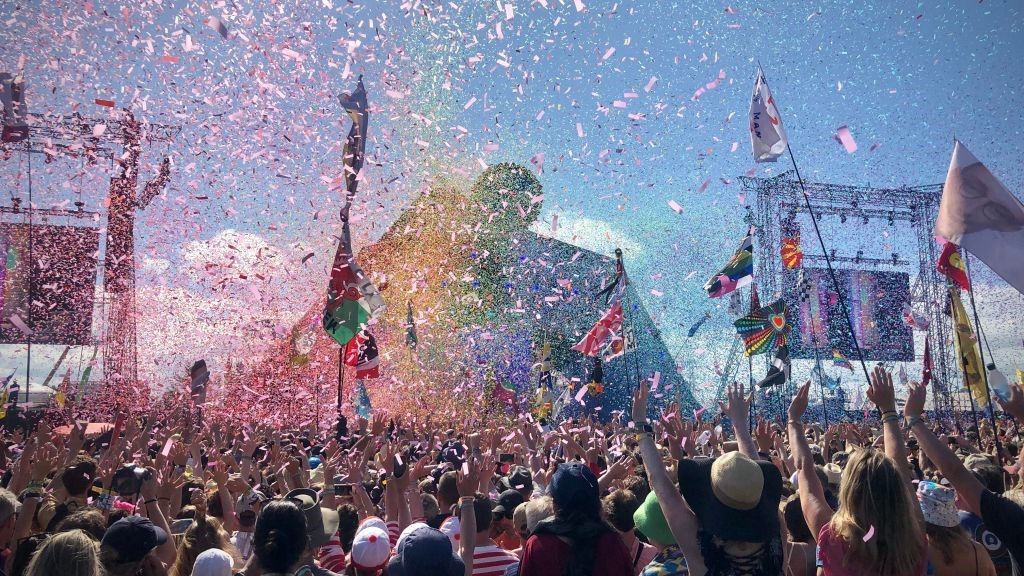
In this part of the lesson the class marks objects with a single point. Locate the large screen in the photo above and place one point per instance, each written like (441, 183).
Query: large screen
(875, 301)
(62, 283)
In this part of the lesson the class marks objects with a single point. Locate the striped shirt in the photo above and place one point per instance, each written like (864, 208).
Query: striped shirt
(491, 560)
(393, 533)
(331, 555)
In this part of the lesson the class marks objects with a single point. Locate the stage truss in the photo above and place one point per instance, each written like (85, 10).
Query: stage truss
(780, 201)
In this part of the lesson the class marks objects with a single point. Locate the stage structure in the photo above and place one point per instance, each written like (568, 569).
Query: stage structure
(118, 140)
(780, 206)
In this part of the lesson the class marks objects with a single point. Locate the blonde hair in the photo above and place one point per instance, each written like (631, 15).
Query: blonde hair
(201, 536)
(72, 553)
(872, 493)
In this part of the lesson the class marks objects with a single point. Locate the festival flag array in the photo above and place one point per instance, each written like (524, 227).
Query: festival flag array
(737, 273)
(967, 351)
(764, 328)
(951, 265)
(914, 320)
(767, 135)
(978, 213)
(609, 326)
(792, 255)
(778, 372)
(361, 353)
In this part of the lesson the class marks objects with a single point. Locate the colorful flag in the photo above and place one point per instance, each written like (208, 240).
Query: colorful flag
(926, 365)
(505, 392)
(969, 357)
(609, 327)
(755, 300)
(839, 360)
(982, 216)
(764, 328)
(60, 397)
(737, 273)
(778, 372)
(791, 253)
(951, 265)
(361, 353)
(767, 135)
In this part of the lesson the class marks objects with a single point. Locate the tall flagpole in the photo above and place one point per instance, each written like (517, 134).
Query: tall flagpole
(984, 366)
(824, 251)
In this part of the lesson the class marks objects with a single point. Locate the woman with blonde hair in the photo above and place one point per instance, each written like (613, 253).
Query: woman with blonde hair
(877, 529)
(71, 553)
(204, 534)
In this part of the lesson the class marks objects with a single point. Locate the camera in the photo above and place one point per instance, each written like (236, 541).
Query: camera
(129, 479)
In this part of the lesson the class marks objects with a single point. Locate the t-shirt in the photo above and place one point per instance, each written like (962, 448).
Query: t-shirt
(331, 555)
(641, 554)
(832, 553)
(546, 555)
(980, 533)
(1006, 520)
(490, 560)
(243, 542)
(668, 562)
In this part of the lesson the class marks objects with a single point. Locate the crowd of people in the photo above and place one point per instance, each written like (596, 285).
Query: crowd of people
(898, 495)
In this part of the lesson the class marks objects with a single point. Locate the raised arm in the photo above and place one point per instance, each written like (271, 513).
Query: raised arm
(816, 510)
(967, 486)
(738, 411)
(681, 519)
(881, 392)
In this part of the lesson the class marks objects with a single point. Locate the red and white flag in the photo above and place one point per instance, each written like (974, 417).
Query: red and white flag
(982, 216)
(767, 136)
(606, 329)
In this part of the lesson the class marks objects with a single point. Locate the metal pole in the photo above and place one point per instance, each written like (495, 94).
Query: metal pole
(341, 376)
(824, 253)
(750, 385)
(28, 358)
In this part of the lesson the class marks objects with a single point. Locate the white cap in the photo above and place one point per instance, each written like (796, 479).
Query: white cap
(213, 562)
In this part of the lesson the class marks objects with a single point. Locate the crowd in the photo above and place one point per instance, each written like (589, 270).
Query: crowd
(897, 495)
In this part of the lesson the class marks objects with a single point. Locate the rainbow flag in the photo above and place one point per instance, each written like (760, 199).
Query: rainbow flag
(839, 360)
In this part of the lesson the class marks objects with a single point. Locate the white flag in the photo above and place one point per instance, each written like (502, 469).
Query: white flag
(981, 215)
(767, 136)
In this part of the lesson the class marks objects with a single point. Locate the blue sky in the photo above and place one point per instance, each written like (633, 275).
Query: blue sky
(459, 85)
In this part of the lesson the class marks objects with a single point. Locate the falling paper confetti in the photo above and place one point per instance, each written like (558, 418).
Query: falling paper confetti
(844, 137)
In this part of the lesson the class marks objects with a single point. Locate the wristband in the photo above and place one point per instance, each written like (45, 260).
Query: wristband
(797, 421)
(464, 500)
(148, 502)
(890, 417)
(888, 412)
(914, 420)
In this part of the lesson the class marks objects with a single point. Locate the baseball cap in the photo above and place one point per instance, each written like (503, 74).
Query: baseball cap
(507, 502)
(425, 552)
(370, 549)
(212, 562)
(133, 537)
(518, 478)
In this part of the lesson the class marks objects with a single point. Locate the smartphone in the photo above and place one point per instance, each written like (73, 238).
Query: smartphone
(343, 490)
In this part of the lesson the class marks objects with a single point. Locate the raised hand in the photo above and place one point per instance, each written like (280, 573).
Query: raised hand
(639, 412)
(916, 396)
(763, 435)
(1015, 403)
(738, 408)
(798, 405)
(881, 391)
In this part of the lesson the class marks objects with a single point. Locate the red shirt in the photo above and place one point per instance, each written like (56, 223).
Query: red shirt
(546, 555)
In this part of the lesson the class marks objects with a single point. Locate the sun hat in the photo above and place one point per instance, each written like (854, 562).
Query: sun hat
(938, 504)
(321, 523)
(734, 497)
(651, 522)
(425, 551)
(834, 472)
(519, 478)
(371, 549)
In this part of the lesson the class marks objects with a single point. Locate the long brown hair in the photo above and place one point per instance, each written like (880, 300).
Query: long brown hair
(202, 535)
(947, 540)
(873, 494)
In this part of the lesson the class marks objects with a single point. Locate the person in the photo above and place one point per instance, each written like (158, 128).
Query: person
(447, 495)
(247, 509)
(213, 562)
(519, 479)
(950, 551)
(619, 507)
(371, 550)
(650, 521)
(9, 507)
(89, 520)
(280, 538)
(425, 551)
(72, 553)
(203, 534)
(503, 530)
(128, 547)
(724, 513)
(520, 524)
(1002, 516)
(73, 490)
(576, 540)
(321, 525)
(800, 542)
(877, 529)
(489, 559)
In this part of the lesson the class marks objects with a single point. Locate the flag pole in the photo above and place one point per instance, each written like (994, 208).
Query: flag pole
(341, 376)
(753, 396)
(821, 385)
(984, 371)
(824, 251)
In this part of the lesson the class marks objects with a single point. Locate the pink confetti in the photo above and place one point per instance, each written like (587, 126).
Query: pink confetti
(656, 381)
(704, 186)
(580, 394)
(216, 24)
(579, 130)
(844, 137)
(870, 533)
(675, 206)
(608, 53)
(651, 83)
(580, 6)
(20, 325)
